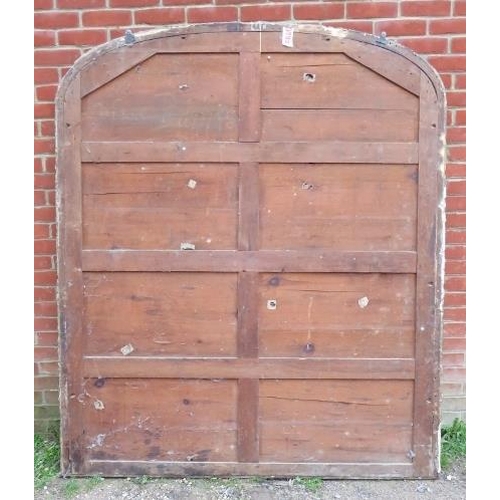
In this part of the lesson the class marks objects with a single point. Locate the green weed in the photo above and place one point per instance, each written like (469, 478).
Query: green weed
(46, 459)
(71, 488)
(309, 483)
(453, 442)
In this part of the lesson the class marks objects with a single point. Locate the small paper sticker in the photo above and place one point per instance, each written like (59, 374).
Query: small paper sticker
(127, 349)
(191, 184)
(287, 36)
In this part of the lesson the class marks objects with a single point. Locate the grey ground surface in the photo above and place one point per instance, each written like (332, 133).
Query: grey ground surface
(449, 486)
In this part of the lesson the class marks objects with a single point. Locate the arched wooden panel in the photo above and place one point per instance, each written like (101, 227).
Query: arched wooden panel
(250, 255)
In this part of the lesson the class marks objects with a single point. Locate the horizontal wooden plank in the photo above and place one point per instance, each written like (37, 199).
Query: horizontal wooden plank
(167, 314)
(120, 468)
(263, 261)
(345, 207)
(370, 125)
(269, 152)
(171, 420)
(231, 368)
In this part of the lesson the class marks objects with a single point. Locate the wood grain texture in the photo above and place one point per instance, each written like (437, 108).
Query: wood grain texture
(337, 315)
(335, 421)
(427, 342)
(195, 421)
(167, 96)
(249, 112)
(248, 420)
(160, 314)
(253, 261)
(335, 81)
(263, 152)
(346, 207)
(160, 206)
(70, 285)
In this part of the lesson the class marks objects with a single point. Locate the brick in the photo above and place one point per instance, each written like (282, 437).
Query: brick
(54, 20)
(459, 8)
(44, 146)
(47, 128)
(160, 16)
(455, 220)
(455, 237)
(80, 4)
(447, 80)
(455, 170)
(455, 267)
(46, 110)
(452, 389)
(211, 14)
(49, 164)
(456, 153)
(453, 404)
(46, 93)
(455, 134)
(46, 353)
(453, 359)
(455, 252)
(45, 214)
(82, 37)
(107, 18)
(44, 293)
(46, 412)
(45, 324)
(134, 3)
(51, 397)
(39, 199)
(454, 331)
(448, 63)
(426, 45)
(401, 27)
(266, 13)
(425, 8)
(44, 38)
(446, 26)
(42, 262)
(455, 314)
(41, 231)
(363, 26)
(453, 375)
(455, 299)
(225, 2)
(46, 75)
(45, 309)
(365, 10)
(460, 81)
(56, 57)
(48, 368)
(38, 396)
(45, 247)
(46, 339)
(458, 44)
(44, 181)
(45, 278)
(455, 283)
(460, 117)
(455, 203)
(43, 4)
(319, 11)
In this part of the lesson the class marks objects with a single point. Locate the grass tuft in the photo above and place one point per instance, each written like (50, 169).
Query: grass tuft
(312, 484)
(453, 442)
(46, 459)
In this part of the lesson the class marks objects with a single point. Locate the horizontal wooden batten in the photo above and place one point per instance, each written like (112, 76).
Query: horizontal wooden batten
(234, 368)
(119, 468)
(269, 152)
(252, 261)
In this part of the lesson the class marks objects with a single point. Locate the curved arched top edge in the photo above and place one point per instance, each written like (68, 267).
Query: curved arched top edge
(132, 39)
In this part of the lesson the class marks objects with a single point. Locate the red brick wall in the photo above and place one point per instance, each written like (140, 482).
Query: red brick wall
(64, 29)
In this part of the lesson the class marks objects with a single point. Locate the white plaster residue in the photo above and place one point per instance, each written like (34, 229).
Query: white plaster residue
(363, 302)
(127, 349)
(191, 184)
(98, 404)
(187, 246)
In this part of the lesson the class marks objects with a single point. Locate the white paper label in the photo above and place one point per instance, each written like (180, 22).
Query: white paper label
(287, 36)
